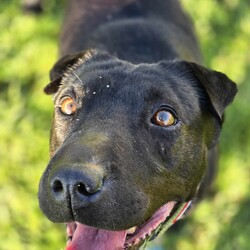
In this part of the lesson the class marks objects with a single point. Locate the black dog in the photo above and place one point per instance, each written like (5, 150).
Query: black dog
(134, 124)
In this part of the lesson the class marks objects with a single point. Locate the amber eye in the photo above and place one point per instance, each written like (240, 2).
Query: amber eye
(164, 118)
(67, 106)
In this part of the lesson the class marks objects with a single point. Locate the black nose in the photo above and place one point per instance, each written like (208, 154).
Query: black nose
(77, 184)
(67, 190)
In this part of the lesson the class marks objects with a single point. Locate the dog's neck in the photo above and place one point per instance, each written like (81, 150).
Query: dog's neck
(146, 31)
(82, 17)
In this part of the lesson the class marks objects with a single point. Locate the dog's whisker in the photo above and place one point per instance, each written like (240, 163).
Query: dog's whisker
(79, 79)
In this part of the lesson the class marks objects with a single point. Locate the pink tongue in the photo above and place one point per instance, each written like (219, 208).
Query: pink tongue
(89, 238)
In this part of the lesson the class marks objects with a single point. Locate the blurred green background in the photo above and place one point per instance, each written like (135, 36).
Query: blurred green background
(28, 49)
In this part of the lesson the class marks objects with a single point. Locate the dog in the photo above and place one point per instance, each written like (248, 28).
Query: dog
(136, 123)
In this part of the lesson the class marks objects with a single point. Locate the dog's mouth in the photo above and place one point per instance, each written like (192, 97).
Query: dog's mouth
(82, 237)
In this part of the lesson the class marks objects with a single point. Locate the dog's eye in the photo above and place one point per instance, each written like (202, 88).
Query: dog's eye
(67, 105)
(164, 118)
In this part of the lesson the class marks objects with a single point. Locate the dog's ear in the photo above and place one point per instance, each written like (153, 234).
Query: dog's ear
(220, 89)
(61, 66)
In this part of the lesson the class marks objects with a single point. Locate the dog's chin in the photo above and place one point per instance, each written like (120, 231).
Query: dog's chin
(82, 237)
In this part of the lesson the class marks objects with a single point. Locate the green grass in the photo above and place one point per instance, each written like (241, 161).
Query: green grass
(28, 49)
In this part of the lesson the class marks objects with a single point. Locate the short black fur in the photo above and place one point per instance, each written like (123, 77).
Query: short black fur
(138, 57)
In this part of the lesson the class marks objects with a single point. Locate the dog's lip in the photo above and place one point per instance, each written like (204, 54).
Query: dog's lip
(146, 229)
(164, 217)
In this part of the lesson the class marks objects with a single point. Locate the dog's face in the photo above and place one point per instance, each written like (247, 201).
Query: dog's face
(128, 145)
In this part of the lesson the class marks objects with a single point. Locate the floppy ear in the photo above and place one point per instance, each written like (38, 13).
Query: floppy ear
(220, 89)
(61, 66)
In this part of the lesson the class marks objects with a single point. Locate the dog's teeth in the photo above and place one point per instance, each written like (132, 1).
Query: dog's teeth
(131, 230)
(127, 245)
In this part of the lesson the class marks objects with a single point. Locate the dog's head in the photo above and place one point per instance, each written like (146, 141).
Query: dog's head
(128, 145)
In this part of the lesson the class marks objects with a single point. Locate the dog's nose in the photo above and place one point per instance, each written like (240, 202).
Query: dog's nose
(76, 184)
(66, 190)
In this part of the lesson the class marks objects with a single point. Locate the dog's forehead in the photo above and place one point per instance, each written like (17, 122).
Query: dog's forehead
(108, 77)
(116, 82)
